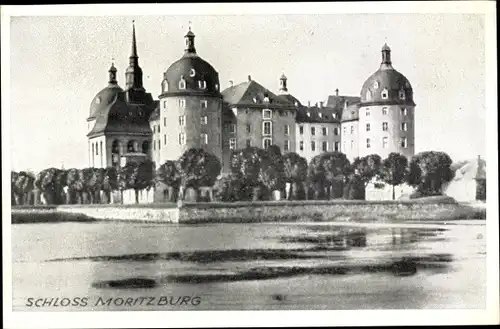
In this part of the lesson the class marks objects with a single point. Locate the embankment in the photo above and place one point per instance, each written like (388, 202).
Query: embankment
(244, 212)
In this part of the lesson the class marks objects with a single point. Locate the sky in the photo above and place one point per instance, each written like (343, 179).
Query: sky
(58, 64)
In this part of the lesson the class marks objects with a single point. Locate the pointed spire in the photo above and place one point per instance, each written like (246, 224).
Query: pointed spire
(190, 48)
(134, 43)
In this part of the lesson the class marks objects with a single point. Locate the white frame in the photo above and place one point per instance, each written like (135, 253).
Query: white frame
(264, 140)
(232, 143)
(204, 138)
(264, 128)
(204, 119)
(269, 112)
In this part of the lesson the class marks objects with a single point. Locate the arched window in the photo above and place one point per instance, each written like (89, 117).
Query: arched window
(145, 147)
(192, 73)
(368, 95)
(130, 146)
(202, 84)
(375, 85)
(164, 86)
(384, 94)
(182, 83)
(402, 94)
(115, 147)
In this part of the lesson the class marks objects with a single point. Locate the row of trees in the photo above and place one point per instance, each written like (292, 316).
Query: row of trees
(254, 175)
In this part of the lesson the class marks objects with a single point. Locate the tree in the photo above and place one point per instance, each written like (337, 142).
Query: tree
(13, 188)
(197, 168)
(168, 174)
(144, 178)
(393, 170)
(295, 170)
(246, 166)
(328, 172)
(355, 188)
(364, 169)
(89, 177)
(75, 184)
(110, 181)
(51, 182)
(227, 188)
(278, 182)
(126, 177)
(428, 171)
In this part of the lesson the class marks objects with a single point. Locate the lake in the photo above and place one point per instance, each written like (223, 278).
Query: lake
(262, 266)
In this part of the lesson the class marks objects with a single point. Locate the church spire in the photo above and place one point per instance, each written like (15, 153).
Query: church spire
(190, 49)
(133, 74)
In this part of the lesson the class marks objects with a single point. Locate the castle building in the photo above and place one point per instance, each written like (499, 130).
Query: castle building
(118, 122)
(190, 108)
(192, 112)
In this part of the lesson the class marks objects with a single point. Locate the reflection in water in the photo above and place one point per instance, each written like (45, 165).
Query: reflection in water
(338, 266)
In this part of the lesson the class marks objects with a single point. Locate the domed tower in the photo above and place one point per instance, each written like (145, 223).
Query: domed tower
(190, 106)
(386, 112)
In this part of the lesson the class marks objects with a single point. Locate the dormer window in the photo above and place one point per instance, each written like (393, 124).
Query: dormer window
(98, 100)
(334, 115)
(202, 84)
(192, 73)
(384, 94)
(164, 86)
(266, 99)
(320, 115)
(182, 83)
(217, 87)
(375, 85)
(402, 94)
(346, 104)
(368, 95)
(309, 114)
(266, 114)
(255, 100)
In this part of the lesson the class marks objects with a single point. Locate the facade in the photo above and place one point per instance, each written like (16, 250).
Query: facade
(192, 112)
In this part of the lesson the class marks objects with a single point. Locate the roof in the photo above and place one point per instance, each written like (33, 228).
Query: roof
(252, 93)
(351, 113)
(103, 98)
(155, 115)
(340, 101)
(315, 114)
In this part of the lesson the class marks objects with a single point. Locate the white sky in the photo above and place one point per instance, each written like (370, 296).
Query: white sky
(59, 63)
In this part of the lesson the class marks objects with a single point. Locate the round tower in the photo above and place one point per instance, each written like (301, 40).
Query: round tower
(386, 112)
(190, 106)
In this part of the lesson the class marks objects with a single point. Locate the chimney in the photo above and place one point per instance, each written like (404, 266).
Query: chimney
(308, 103)
(320, 104)
(230, 83)
(337, 92)
(249, 78)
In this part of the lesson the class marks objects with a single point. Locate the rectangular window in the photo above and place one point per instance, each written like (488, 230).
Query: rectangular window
(182, 139)
(325, 131)
(404, 142)
(336, 131)
(287, 130)
(301, 130)
(345, 147)
(385, 126)
(266, 128)
(218, 121)
(267, 114)
(367, 127)
(384, 110)
(204, 120)
(368, 143)
(182, 121)
(154, 129)
(154, 145)
(165, 104)
(165, 122)
(182, 103)
(286, 145)
(404, 126)
(337, 146)
(345, 130)
(301, 145)
(158, 129)
(367, 112)
(352, 145)
(203, 104)
(249, 143)
(159, 144)
(352, 129)
(266, 143)
(204, 139)
(96, 149)
(404, 111)
(232, 143)
(313, 131)
(324, 146)
(313, 146)
(165, 139)
(232, 128)
(384, 142)
(249, 129)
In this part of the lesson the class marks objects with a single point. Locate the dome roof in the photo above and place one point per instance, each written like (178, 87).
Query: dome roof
(386, 85)
(103, 99)
(191, 74)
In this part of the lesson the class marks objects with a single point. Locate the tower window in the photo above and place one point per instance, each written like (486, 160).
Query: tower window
(313, 131)
(182, 103)
(325, 131)
(204, 104)
(286, 145)
(402, 94)
(267, 128)
(384, 111)
(384, 94)
(182, 83)
(287, 130)
(158, 129)
(352, 145)
(368, 95)
(266, 142)
(301, 145)
(334, 115)
(154, 145)
(301, 130)
(404, 142)
(384, 142)
(352, 129)
(96, 149)
(202, 84)
(324, 146)
(204, 120)
(313, 146)
(182, 120)
(248, 143)
(154, 129)
(404, 126)
(404, 111)
(232, 128)
(368, 143)
(217, 87)
(266, 114)
(182, 139)
(367, 127)
(165, 139)
(165, 122)
(336, 131)
(249, 128)
(345, 130)
(367, 113)
(385, 126)
(159, 145)
(204, 139)
(375, 85)
(232, 143)
(164, 86)
(192, 73)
